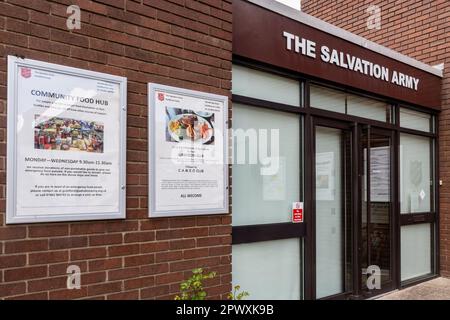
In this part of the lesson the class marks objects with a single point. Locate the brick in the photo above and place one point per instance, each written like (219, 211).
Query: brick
(13, 11)
(11, 289)
(48, 257)
(68, 242)
(154, 246)
(195, 253)
(12, 261)
(105, 264)
(26, 246)
(150, 293)
(139, 283)
(67, 294)
(54, 230)
(104, 288)
(183, 265)
(182, 222)
(169, 278)
(47, 284)
(93, 277)
(169, 256)
(124, 250)
(213, 241)
(88, 253)
(31, 296)
(128, 295)
(121, 274)
(69, 38)
(122, 226)
(219, 230)
(9, 233)
(139, 260)
(87, 228)
(25, 273)
(140, 236)
(182, 244)
(105, 239)
(155, 269)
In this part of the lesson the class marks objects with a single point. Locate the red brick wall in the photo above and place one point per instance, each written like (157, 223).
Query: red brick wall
(174, 42)
(421, 30)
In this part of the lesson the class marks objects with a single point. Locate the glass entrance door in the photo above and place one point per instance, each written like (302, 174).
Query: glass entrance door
(376, 207)
(333, 219)
(353, 210)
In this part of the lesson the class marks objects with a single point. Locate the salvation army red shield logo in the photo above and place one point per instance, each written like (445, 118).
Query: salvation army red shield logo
(25, 72)
(161, 96)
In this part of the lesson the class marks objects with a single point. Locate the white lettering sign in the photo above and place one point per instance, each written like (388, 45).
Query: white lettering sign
(347, 61)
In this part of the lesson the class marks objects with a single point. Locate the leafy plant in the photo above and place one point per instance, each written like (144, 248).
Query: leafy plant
(236, 295)
(192, 288)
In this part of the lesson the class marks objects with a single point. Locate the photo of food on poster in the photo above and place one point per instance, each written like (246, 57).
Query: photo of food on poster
(68, 143)
(187, 152)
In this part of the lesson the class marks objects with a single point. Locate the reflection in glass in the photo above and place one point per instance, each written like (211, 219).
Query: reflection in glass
(327, 99)
(415, 250)
(264, 198)
(368, 108)
(415, 173)
(376, 206)
(333, 258)
(415, 120)
(265, 86)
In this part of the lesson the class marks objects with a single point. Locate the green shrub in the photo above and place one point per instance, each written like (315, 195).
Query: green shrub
(192, 288)
(236, 295)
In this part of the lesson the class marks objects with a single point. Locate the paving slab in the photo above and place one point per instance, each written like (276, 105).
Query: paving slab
(436, 289)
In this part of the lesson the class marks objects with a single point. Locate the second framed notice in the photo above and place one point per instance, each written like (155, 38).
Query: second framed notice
(187, 152)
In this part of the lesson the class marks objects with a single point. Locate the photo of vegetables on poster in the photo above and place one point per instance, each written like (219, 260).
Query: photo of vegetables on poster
(187, 152)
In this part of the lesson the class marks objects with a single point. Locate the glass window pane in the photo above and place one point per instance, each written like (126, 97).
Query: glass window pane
(415, 173)
(415, 120)
(327, 99)
(268, 270)
(415, 250)
(329, 214)
(265, 86)
(368, 108)
(264, 188)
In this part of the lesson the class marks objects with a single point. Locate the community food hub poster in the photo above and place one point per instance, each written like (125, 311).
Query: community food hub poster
(188, 152)
(66, 143)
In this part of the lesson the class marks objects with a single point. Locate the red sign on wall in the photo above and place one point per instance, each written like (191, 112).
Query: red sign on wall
(297, 212)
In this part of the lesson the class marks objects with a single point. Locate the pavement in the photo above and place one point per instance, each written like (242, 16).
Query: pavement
(436, 289)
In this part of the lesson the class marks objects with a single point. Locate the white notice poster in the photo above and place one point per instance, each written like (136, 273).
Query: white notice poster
(66, 143)
(187, 163)
(380, 174)
(325, 187)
